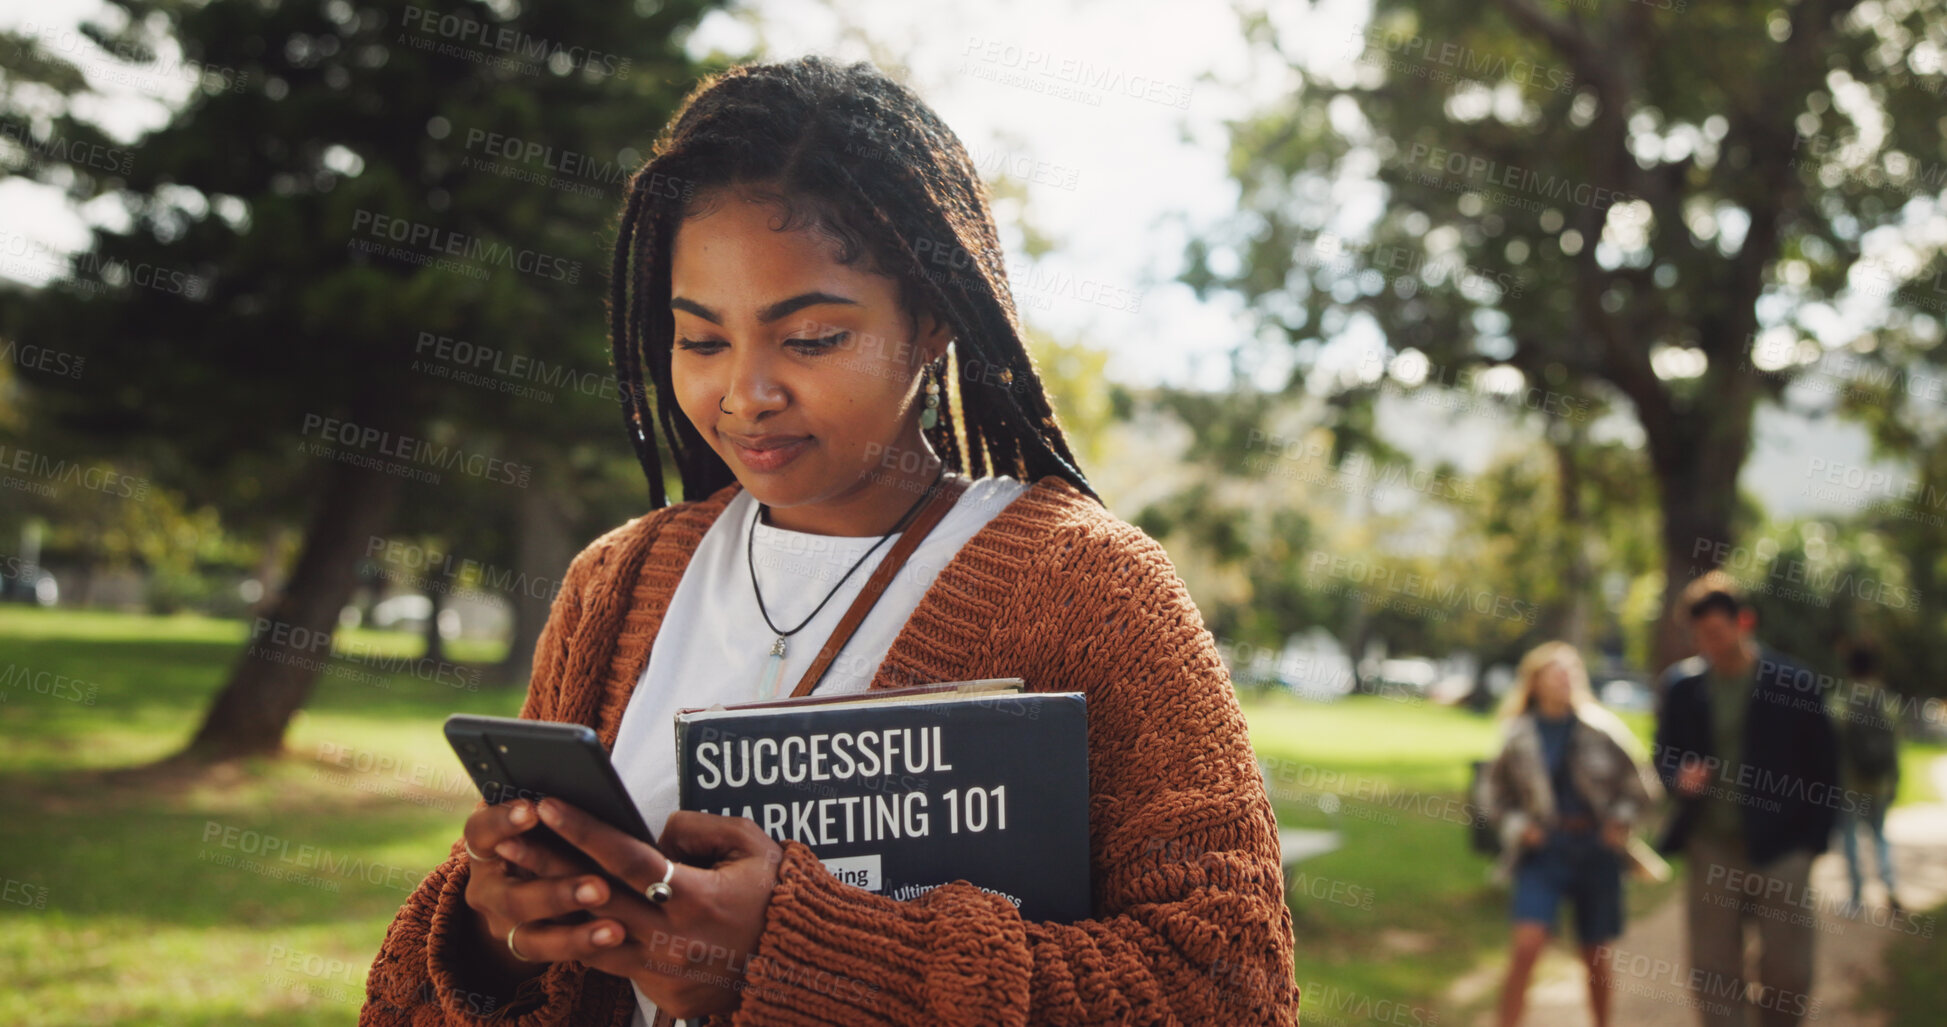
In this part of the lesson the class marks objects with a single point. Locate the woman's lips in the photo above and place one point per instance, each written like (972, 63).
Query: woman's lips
(770, 454)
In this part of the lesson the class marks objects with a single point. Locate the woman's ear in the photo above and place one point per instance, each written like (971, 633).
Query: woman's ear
(935, 335)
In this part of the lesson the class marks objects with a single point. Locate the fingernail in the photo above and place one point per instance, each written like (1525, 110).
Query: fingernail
(549, 813)
(519, 814)
(509, 850)
(604, 935)
(588, 893)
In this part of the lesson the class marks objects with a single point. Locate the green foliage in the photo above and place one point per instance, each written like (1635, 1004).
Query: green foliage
(379, 213)
(1601, 197)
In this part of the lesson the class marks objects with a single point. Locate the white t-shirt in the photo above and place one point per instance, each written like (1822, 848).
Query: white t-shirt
(713, 644)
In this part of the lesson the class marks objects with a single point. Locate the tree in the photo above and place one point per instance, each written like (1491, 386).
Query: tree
(363, 277)
(1601, 196)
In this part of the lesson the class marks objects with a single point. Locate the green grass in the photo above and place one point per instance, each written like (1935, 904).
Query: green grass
(1914, 991)
(114, 908)
(122, 904)
(1916, 773)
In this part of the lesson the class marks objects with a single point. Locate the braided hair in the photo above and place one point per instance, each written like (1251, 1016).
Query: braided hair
(866, 162)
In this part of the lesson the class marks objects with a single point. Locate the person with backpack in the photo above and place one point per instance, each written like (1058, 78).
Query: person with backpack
(1869, 767)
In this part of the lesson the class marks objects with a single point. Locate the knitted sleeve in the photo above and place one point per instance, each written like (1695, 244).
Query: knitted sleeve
(417, 979)
(1191, 923)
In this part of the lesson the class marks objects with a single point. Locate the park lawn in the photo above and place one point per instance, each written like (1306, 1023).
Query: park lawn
(124, 904)
(255, 897)
(1914, 991)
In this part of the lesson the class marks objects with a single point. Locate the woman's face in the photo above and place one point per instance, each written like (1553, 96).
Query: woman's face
(815, 362)
(1551, 687)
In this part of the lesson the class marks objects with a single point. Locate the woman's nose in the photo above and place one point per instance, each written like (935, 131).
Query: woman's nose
(754, 390)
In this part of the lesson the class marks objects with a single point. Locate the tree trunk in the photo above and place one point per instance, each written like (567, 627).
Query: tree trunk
(269, 572)
(289, 646)
(436, 588)
(1572, 625)
(542, 554)
(1698, 499)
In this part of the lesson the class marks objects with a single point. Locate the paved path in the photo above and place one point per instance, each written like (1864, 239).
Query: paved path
(1848, 951)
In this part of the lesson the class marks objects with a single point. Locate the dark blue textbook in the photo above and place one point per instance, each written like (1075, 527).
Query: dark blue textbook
(902, 790)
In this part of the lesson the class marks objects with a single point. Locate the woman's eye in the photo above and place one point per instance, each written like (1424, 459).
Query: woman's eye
(699, 345)
(817, 345)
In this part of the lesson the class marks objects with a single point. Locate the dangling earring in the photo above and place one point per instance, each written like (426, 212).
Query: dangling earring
(931, 415)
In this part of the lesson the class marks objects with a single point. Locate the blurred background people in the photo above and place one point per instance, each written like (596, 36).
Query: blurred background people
(1564, 792)
(1869, 768)
(1748, 749)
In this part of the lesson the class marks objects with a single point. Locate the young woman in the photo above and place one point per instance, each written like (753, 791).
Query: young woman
(806, 277)
(1566, 789)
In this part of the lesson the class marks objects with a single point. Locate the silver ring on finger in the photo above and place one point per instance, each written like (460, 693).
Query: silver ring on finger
(661, 892)
(476, 857)
(510, 944)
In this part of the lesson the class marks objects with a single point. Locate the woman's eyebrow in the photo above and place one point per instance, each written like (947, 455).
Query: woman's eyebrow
(765, 315)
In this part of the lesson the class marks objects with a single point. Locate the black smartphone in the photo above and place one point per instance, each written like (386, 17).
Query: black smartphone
(510, 758)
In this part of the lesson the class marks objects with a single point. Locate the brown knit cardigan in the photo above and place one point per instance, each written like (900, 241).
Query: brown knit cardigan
(1191, 924)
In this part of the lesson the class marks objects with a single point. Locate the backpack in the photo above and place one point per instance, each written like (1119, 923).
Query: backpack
(1871, 747)
(1481, 835)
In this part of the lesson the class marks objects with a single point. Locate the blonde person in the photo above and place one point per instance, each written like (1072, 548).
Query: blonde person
(1566, 789)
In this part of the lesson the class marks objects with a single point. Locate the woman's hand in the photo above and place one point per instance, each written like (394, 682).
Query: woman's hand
(1693, 776)
(1615, 834)
(527, 886)
(689, 954)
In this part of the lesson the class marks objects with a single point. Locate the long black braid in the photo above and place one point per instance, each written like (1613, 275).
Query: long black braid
(865, 161)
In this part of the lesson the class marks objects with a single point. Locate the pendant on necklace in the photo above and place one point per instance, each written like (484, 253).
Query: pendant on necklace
(773, 674)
